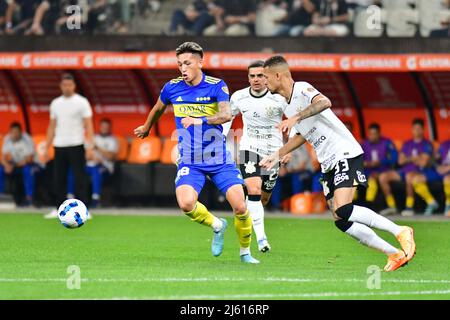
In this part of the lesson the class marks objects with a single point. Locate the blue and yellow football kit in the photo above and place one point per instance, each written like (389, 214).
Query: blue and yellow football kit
(202, 148)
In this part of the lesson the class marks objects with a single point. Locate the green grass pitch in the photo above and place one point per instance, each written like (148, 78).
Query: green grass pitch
(167, 257)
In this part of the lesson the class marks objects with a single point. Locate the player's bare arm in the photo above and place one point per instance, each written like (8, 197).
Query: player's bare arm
(153, 117)
(270, 161)
(318, 104)
(224, 115)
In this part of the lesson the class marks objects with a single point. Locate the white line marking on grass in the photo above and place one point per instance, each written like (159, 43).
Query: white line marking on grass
(224, 279)
(287, 295)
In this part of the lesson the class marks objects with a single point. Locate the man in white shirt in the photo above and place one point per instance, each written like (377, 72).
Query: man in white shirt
(101, 163)
(18, 155)
(340, 157)
(70, 119)
(261, 111)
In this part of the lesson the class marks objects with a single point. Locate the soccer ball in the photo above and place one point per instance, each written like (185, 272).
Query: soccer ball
(72, 213)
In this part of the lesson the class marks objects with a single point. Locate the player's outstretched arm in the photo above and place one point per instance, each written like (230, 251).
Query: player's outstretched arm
(153, 116)
(270, 161)
(318, 104)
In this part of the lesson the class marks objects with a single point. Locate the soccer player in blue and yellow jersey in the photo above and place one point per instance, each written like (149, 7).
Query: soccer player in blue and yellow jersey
(201, 106)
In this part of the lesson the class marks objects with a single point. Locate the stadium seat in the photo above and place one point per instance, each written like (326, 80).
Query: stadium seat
(301, 203)
(39, 144)
(398, 144)
(123, 148)
(169, 152)
(145, 150)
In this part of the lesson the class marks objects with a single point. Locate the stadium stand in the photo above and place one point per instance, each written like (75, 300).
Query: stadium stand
(117, 95)
(37, 88)
(10, 106)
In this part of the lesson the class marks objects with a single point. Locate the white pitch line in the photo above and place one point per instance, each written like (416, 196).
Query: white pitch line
(223, 279)
(286, 295)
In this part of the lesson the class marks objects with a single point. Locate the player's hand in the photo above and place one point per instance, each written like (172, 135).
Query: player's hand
(188, 121)
(270, 161)
(141, 132)
(286, 158)
(286, 125)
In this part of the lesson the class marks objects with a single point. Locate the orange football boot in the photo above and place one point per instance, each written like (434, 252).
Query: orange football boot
(396, 260)
(406, 239)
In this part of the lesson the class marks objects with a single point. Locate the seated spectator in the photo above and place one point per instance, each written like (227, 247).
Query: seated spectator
(443, 168)
(380, 155)
(18, 155)
(331, 19)
(3, 7)
(296, 172)
(19, 15)
(268, 17)
(232, 18)
(445, 30)
(298, 18)
(101, 164)
(416, 168)
(97, 11)
(192, 20)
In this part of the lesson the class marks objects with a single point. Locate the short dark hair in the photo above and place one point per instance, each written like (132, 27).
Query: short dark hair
(190, 47)
(256, 64)
(67, 76)
(275, 61)
(107, 120)
(15, 124)
(375, 126)
(418, 121)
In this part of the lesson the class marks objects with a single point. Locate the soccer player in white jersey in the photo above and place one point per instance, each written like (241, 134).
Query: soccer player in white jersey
(261, 112)
(341, 159)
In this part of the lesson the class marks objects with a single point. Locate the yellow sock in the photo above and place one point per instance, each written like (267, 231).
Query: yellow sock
(243, 225)
(409, 202)
(447, 192)
(201, 215)
(372, 190)
(390, 201)
(422, 190)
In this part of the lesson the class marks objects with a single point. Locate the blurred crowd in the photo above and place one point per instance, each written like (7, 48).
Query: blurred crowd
(332, 18)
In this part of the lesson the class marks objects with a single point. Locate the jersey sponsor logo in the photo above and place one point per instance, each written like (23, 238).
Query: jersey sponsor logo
(179, 99)
(319, 141)
(250, 167)
(361, 176)
(340, 177)
(256, 115)
(196, 110)
(270, 184)
(271, 112)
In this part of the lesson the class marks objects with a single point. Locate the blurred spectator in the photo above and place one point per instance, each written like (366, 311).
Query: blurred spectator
(18, 155)
(298, 18)
(330, 20)
(380, 156)
(268, 17)
(443, 168)
(97, 13)
(192, 20)
(232, 18)
(360, 4)
(101, 164)
(19, 15)
(50, 15)
(3, 7)
(416, 167)
(445, 30)
(296, 172)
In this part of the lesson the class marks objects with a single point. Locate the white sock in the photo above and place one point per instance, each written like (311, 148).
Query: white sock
(374, 220)
(256, 210)
(368, 237)
(217, 224)
(243, 251)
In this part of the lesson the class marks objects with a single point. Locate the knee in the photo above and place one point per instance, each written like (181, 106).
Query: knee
(240, 208)
(253, 190)
(343, 225)
(344, 212)
(187, 204)
(417, 179)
